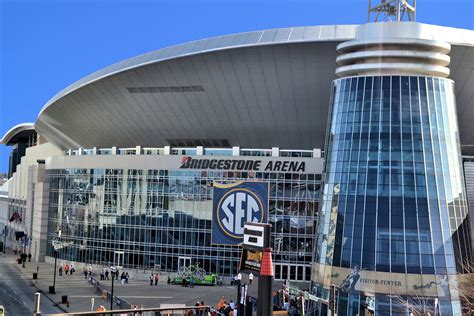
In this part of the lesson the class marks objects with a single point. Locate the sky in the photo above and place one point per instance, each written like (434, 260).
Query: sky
(45, 45)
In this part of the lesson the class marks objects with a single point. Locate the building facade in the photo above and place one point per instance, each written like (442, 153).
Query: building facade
(394, 219)
(112, 209)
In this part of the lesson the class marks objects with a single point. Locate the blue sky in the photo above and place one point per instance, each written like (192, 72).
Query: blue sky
(46, 45)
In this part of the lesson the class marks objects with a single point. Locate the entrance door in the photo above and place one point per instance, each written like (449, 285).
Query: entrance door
(118, 259)
(184, 262)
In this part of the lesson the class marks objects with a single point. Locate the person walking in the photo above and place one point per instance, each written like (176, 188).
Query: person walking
(66, 269)
(60, 271)
(250, 278)
(85, 273)
(152, 277)
(157, 278)
(126, 277)
(107, 274)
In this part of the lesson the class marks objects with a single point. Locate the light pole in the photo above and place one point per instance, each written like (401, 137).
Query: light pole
(5, 232)
(113, 270)
(56, 246)
(239, 294)
(52, 289)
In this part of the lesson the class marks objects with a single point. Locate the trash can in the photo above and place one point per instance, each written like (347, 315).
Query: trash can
(51, 290)
(35, 276)
(64, 299)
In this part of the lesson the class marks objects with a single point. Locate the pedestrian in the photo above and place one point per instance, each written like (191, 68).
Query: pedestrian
(102, 275)
(101, 308)
(169, 280)
(250, 278)
(107, 274)
(198, 310)
(126, 277)
(66, 269)
(202, 309)
(157, 278)
(85, 273)
(60, 271)
(29, 257)
(152, 277)
(71, 269)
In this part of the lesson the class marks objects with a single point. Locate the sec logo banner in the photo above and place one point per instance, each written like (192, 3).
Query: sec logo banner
(235, 204)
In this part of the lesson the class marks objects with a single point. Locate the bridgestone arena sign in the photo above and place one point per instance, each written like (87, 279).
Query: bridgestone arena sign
(175, 162)
(243, 165)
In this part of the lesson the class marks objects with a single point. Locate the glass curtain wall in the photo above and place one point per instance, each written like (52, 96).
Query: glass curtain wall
(156, 216)
(393, 220)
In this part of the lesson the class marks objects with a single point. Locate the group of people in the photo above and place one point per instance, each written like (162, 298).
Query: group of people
(199, 311)
(154, 278)
(104, 274)
(124, 277)
(226, 308)
(68, 269)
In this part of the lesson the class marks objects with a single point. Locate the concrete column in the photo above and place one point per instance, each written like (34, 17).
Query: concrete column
(138, 150)
(235, 151)
(114, 150)
(275, 152)
(316, 153)
(199, 150)
(167, 150)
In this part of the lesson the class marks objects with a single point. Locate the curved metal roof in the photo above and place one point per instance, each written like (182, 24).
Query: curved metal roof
(255, 89)
(15, 131)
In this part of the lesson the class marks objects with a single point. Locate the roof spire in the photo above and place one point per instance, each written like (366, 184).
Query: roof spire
(391, 10)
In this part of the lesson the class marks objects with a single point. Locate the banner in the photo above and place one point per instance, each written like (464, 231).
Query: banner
(251, 261)
(371, 282)
(233, 205)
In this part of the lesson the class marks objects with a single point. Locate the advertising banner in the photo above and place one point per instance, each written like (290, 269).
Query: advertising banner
(251, 261)
(370, 282)
(235, 204)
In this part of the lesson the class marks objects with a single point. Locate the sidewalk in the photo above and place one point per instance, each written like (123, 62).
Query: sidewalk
(137, 292)
(78, 290)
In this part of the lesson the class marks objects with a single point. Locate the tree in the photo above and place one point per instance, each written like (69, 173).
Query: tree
(419, 305)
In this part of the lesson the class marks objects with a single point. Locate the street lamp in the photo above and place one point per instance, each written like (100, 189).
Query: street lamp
(239, 292)
(5, 232)
(52, 289)
(56, 246)
(113, 270)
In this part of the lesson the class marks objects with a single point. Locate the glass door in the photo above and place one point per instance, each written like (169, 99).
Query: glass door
(184, 262)
(118, 259)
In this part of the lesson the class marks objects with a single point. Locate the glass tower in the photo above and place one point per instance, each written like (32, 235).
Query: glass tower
(393, 225)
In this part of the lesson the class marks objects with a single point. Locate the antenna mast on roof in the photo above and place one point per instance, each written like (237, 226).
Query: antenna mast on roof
(391, 10)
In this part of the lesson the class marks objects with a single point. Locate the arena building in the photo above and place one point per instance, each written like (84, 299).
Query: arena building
(358, 131)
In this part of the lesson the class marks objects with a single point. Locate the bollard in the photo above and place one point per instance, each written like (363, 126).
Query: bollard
(37, 311)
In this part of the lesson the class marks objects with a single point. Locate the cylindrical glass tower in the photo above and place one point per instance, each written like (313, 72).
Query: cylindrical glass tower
(393, 228)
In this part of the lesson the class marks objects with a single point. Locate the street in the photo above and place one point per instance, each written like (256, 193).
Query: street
(17, 295)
